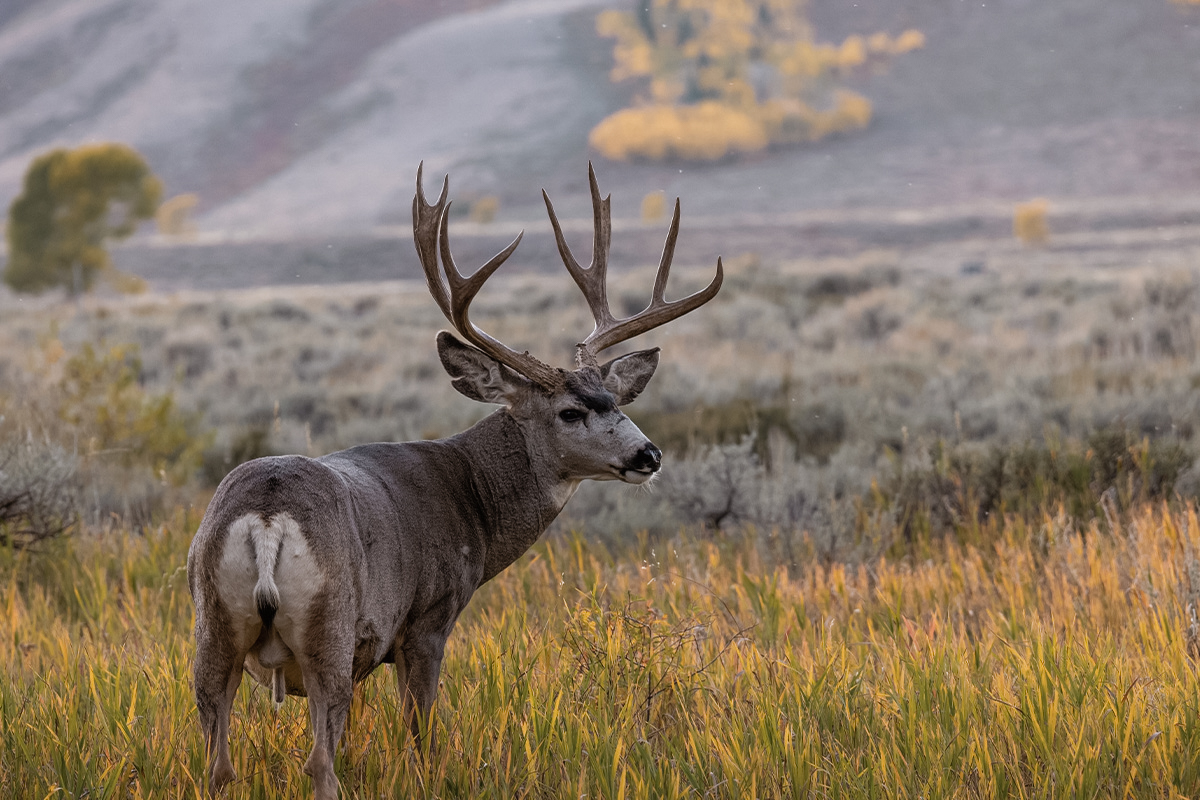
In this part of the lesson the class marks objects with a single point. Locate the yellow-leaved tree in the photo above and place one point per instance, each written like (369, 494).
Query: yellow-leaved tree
(720, 77)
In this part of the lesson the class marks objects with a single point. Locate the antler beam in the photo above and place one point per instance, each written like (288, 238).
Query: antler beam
(454, 295)
(592, 281)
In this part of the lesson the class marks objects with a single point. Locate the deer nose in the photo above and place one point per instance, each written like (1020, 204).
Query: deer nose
(649, 458)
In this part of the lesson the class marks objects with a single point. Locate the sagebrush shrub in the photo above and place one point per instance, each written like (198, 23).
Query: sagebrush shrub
(40, 488)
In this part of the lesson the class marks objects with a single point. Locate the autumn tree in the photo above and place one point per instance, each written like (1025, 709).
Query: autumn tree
(717, 77)
(73, 202)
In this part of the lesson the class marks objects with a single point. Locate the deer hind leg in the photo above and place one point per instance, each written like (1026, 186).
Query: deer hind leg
(329, 696)
(327, 665)
(218, 674)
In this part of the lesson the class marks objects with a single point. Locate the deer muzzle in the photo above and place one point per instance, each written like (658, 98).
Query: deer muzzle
(647, 460)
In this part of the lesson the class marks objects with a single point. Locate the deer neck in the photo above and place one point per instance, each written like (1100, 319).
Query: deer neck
(518, 501)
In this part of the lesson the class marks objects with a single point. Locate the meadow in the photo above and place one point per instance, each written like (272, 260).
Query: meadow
(1044, 662)
(928, 528)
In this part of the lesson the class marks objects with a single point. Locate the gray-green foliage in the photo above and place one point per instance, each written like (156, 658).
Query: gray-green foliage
(40, 488)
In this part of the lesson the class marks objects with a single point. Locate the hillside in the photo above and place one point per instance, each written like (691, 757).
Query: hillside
(307, 117)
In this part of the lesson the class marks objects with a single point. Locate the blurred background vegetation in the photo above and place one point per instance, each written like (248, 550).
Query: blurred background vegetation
(722, 77)
(928, 521)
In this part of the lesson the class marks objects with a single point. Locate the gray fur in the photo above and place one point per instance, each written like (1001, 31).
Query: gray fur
(368, 556)
(626, 376)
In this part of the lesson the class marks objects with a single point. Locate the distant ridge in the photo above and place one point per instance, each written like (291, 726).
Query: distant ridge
(306, 118)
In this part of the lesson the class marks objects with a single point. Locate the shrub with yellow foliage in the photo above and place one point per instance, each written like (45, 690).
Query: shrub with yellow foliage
(1029, 222)
(703, 132)
(654, 205)
(723, 77)
(484, 209)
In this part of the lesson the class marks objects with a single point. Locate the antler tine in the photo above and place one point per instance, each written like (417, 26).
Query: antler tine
(601, 240)
(454, 296)
(462, 288)
(668, 254)
(659, 312)
(609, 330)
(426, 224)
(592, 281)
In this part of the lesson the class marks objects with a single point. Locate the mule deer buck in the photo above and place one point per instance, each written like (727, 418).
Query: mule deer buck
(310, 573)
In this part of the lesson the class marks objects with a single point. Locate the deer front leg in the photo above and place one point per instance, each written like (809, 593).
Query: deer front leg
(406, 705)
(422, 656)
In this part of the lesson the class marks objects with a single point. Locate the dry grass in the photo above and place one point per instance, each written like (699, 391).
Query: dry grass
(1055, 664)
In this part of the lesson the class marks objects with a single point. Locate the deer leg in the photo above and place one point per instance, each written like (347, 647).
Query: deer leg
(218, 674)
(329, 697)
(423, 664)
(327, 666)
(406, 699)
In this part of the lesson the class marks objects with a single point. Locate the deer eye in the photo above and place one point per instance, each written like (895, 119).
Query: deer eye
(572, 415)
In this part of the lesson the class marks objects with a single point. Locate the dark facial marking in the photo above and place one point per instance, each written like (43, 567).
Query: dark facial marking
(600, 402)
(587, 388)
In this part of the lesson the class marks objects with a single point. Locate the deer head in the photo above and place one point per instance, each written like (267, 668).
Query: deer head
(572, 418)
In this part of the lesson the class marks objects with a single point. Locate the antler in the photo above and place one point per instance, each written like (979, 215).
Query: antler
(454, 296)
(592, 282)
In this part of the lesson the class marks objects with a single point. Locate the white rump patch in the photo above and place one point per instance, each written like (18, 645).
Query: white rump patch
(281, 547)
(299, 579)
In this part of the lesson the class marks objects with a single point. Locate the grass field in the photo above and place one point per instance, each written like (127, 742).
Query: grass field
(1036, 662)
(960, 554)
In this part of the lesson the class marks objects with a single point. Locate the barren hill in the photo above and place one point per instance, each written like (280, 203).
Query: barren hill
(306, 118)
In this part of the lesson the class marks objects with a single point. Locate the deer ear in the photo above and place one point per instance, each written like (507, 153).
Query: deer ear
(626, 376)
(476, 374)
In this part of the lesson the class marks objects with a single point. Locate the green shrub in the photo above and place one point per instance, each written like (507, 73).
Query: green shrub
(114, 419)
(815, 430)
(72, 204)
(81, 439)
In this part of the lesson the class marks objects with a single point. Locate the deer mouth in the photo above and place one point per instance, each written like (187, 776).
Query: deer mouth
(636, 476)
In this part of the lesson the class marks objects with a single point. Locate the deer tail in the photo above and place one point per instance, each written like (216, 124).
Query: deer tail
(268, 541)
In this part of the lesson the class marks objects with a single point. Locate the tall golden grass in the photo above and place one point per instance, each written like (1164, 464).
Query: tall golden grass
(1047, 662)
